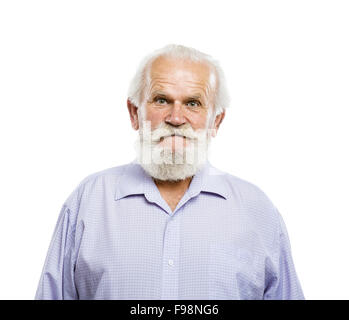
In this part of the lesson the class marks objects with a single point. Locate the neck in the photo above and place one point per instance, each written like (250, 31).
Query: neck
(173, 186)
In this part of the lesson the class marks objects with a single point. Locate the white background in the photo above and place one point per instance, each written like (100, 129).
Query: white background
(64, 71)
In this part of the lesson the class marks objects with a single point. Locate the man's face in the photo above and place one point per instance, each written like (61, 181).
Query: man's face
(178, 94)
(175, 118)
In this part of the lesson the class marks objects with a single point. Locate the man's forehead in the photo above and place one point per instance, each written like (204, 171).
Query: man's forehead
(190, 77)
(176, 69)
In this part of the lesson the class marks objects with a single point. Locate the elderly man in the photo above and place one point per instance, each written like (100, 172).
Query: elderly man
(169, 225)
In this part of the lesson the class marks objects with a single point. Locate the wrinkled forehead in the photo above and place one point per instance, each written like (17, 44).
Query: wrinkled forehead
(181, 72)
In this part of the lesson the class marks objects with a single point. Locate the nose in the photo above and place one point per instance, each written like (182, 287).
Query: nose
(176, 116)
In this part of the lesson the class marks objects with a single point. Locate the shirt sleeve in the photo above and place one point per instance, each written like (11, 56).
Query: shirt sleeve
(57, 277)
(284, 284)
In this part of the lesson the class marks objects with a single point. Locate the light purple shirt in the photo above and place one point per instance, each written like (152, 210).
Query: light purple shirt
(116, 238)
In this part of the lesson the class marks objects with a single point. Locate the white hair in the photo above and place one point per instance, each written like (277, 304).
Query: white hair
(140, 79)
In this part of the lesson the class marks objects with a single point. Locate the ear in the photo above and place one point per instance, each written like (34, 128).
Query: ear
(132, 110)
(217, 123)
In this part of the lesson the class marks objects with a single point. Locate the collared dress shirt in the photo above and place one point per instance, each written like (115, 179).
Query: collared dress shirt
(117, 238)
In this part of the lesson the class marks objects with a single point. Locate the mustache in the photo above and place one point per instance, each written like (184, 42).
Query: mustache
(165, 130)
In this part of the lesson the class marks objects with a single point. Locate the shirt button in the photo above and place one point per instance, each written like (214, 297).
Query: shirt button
(170, 262)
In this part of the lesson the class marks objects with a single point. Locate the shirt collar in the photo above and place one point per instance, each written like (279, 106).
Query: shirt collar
(134, 180)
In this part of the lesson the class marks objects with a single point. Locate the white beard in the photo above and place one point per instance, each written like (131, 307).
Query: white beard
(161, 163)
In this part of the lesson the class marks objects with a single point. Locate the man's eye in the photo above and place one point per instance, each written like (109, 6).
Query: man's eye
(160, 100)
(193, 103)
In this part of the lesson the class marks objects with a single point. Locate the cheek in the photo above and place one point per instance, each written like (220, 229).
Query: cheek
(155, 117)
(198, 121)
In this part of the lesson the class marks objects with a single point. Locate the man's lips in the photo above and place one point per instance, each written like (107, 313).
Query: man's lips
(172, 135)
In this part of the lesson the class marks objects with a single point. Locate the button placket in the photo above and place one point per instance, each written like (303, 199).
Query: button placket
(170, 260)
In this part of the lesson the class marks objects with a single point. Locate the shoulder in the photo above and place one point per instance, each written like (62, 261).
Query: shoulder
(246, 191)
(94, 184)
(250, 197)
(103, 175)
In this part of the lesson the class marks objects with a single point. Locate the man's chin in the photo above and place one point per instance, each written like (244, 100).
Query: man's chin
(171, 171)
(168, 164)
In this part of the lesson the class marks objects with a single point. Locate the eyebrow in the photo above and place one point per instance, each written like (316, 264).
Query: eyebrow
(195, 97)
(158, 93)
